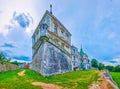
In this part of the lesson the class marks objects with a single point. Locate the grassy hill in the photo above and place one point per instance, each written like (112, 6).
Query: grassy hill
(72, 80)
(116, 77)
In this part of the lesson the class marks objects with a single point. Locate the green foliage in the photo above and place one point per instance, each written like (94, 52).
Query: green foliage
(94, 63)
(72, 80)
(110, 68)
(116, 77)
(16, 63)
(101, 66)
(3, 59)
(116, 68)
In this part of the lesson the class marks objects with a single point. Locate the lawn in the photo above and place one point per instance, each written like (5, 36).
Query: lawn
(11, 80)
(72, 80)
(116, 77)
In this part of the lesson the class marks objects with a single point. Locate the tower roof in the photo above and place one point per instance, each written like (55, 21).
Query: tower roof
(81, 51)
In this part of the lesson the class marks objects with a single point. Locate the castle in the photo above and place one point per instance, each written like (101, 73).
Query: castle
(52, 50)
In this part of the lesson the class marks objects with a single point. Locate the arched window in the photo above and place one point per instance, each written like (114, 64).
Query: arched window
(44, 26)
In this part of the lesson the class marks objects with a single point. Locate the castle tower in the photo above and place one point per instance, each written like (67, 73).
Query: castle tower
(85, 61)
(51, 46)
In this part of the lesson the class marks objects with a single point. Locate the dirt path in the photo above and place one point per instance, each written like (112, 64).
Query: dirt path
(102, 83)
(95, 85)
(21, 73)
(46, 86)
(109, 79)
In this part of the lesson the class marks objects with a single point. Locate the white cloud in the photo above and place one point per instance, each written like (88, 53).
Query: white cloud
(117, 60)
(109, 63)
(114, 62)
(27, 6)
(12, 60)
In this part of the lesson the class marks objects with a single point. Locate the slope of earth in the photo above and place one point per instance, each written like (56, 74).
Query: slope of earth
(104, 82)
(72, 80)
(116, 77)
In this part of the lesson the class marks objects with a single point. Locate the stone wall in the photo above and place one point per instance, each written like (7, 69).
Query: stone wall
(49, 60)
(6, 67)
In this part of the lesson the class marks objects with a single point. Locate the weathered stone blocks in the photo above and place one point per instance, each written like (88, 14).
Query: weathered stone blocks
(50, 60)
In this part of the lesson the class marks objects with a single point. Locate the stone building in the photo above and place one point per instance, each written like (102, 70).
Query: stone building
(80, 59)
(51, 47)
(85, 65)
(75, 57)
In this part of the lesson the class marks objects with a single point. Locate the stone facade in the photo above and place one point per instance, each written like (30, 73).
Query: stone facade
(80, 59)
(51, 47)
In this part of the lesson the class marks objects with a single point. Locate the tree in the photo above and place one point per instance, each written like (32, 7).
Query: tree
(116, 68)
(3, 59)
(110, 68)
(15, 62)
(101, 66)
(94, 63)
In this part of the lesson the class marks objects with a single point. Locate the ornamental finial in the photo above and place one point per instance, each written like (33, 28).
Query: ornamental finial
(50, 8)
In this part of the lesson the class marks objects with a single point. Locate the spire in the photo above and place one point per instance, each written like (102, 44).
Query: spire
(50, 8)
(81, 50)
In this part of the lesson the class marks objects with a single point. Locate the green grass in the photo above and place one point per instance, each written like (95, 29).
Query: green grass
(72, 80)
(116, 77)
(11, 80)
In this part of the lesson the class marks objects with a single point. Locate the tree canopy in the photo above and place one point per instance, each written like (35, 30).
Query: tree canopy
(94, 63)
(101, 66)
(116, 68)
(3, 59)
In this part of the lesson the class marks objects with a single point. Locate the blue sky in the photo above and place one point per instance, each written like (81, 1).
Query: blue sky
(93, 23)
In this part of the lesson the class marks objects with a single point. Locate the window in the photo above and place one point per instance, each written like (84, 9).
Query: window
(63, 45)
(74, 57)
(37, 34)
(33, 39)
(67, 35)
(74, 63)
(62, 31)
(55, 29)
(74, 50)
(44, 26)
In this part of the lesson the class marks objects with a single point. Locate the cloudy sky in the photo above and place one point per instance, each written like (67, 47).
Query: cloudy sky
(93, 23)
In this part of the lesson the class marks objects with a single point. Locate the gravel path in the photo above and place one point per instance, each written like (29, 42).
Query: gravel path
(21, 73)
